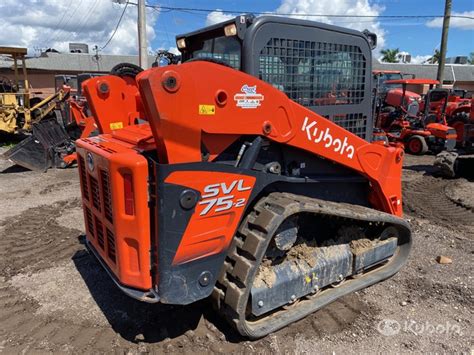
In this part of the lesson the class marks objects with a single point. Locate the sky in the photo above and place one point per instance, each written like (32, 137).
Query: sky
(40, 24)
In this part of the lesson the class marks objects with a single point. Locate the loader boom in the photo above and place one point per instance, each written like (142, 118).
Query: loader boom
(209, 92)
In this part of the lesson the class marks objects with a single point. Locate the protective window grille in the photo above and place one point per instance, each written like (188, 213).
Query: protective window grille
(318, 74)
(354, 122)
(314, 73)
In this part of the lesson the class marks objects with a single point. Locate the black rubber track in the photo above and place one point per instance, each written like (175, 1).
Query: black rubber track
(247, 250)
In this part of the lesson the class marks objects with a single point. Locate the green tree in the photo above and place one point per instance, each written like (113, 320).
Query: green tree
(471, 58)
(390, 55)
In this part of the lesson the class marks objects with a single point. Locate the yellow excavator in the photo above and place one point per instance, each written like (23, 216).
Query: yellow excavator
(20, 113)
(18, 110)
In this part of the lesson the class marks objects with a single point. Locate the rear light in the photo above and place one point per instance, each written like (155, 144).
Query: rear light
(128, 194)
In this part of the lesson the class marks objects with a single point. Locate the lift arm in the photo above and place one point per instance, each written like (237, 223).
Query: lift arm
(183, 103)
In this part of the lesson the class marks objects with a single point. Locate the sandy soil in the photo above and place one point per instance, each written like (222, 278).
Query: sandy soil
(54, 297)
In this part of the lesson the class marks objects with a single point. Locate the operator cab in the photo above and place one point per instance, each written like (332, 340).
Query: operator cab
(381, 77)
(323, 67)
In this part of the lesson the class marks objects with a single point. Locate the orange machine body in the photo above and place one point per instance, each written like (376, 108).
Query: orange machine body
(186, 203)
(122, 238)
(178, 127)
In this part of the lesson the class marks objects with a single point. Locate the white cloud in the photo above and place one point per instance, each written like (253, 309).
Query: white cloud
(338, 7)
(461, 23)
(55, 23)
(174, 50)
(217, 17)
(420, 59)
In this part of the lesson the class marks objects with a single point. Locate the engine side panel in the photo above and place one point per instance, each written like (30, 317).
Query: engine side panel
(119, 234)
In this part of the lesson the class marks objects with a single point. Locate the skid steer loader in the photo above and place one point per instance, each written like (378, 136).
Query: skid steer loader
(252, 181)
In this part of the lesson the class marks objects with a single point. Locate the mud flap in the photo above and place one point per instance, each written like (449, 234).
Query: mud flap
(44, 149)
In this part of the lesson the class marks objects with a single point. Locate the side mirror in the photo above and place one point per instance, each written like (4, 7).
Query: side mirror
(371, 37)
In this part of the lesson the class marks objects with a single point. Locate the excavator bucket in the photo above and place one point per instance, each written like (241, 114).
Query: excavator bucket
(44, 149)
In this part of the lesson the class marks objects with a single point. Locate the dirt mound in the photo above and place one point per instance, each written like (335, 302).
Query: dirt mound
(427, 197)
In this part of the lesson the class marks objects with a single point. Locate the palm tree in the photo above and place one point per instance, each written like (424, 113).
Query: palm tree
(390, 55)
(435, 58)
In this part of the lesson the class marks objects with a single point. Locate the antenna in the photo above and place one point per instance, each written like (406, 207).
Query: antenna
(96, 57)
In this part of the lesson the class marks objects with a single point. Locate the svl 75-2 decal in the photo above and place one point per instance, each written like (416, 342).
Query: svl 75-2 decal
(219, 197)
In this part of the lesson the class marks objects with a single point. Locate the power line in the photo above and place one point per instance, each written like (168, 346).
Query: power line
(185, 9)
(116, 27)
(57, 32)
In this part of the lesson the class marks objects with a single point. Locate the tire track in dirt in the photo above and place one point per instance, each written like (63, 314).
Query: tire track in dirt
(33, 244)
(27, 330)
(427, 198)
(34, 240)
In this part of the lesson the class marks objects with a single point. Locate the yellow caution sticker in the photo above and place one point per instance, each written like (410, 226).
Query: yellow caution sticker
(116, 125)
(207, 109)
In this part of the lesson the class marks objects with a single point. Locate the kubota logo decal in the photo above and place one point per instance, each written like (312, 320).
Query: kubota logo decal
(213, 200)
(248, 98)
(324, 136)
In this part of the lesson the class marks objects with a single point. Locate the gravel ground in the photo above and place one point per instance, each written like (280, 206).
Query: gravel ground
(54, 297)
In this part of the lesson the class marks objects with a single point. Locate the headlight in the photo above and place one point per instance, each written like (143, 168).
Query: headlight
(230, 30)
(181, 43)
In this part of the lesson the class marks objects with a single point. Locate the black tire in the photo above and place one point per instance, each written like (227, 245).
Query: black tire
(458, 122)
(416, 145)
(126, 69)
(459, 117)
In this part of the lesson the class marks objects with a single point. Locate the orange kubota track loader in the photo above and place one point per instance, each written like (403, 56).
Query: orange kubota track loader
(233, 190)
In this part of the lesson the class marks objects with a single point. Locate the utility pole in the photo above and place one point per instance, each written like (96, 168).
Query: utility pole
(444, 42)
(142, 43)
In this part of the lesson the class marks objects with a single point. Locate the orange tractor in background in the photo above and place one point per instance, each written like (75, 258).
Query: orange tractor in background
(420, 125)
(237, 180)
(461, 162)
